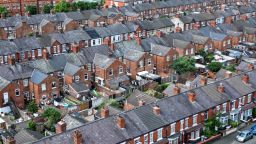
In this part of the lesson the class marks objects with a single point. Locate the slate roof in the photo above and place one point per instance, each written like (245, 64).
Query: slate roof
(71, 69)
(37, 76)
(103, 61)
(73, 121)
(159, 50)
(169, 90)
(137, 95)
(79, 87)
(142, 120)
(27, 136)
(3, 83)
(76, 36)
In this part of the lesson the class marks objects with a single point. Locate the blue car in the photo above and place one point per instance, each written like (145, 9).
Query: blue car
(253, 129)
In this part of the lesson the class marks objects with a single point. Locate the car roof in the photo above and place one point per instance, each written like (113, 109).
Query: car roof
(245, 131)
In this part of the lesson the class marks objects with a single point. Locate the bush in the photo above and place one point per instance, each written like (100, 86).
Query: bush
(53, 114)
(162, 87)
(254, 112)
(214, 66)
(32, 107)
(233, 124)
(31, 125)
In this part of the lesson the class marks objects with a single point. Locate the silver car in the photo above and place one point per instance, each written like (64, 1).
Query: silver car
(244, 136)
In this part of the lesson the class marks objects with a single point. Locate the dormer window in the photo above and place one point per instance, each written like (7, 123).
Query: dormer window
(110, 72)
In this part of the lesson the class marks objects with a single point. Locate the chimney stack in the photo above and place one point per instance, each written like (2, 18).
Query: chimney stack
(138, 39)
(75, 48)
(104, 112)
(10, 60)
(141, 102)
(221, 88)
(176, 90)
(77, 137)
(60, 127)
(178, 29)
(156, 110)
(159, 33)
(203, 80)
(191, 96)
(228, 74)
(44, 54)
(120, 122)
(245, 78)
(250, 66)
(10, 140)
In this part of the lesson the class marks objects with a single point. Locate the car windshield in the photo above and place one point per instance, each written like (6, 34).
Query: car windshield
(242, 134)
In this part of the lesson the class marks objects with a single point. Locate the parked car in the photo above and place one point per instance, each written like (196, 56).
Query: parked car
(253, 129)
(244, 136)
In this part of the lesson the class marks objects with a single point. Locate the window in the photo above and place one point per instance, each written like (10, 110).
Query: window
(174, 57)
(206, 115)
(240, 102)
(186, 52)
(249, 98)
(218, 109)
(243, 100)
(159, 134)
(110, 72)
(89, 67)
(181, 124)
(149, 61)
(17, 92)
(137, 140)
(141, 63)
(39, 52)
(77, 78)
(25, 82)
(192, 51)
(224, 120)
(186, 123)
(233, 104)
(146, 138)
(53, 85)
(224, 108)
(120, 69)
(86, 76)
(172, 128)
(194, 119)
(43, 87)
(151, 137)
(168, 58)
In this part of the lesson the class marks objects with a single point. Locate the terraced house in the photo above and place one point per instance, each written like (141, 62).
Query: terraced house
(174, 119)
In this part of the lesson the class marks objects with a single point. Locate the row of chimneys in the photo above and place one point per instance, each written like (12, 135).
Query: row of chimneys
(120, 121)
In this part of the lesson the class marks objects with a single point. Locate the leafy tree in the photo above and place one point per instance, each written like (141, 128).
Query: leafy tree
(53, 114)
(31, 9)
(62, 7)
(214, 66)
(3, 10)
(31, 125)
(47, 8)
(32, 107)
(183, 65)
(231, 67)
(209, 58)
(210, 125)
(254, 112)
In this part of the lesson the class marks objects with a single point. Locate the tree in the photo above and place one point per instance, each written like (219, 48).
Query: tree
(47, 8)
(3, 11)
(183, 65)
(31, 125)
(62, 7)
(53, 114)
(210, 126)
(31, 9)
(231, 67)
(214, 66)
(32, 107)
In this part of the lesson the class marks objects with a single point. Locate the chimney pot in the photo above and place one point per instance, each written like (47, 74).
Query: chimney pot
(156, 110)
(120, 122)
(250, 66)
(176, 90)
(104, 112)
(221, 88)
(191, 96)
(228, 74)
(141, 102)
(61, 127)
(44, 54)
(178, 29)
(245, 78)
(203, 81)
(10, 60)
(77, 137)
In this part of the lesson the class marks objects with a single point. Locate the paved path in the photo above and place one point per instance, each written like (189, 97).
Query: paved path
(230, 139)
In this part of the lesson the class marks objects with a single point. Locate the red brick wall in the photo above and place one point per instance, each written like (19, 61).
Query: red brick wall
(23, 30)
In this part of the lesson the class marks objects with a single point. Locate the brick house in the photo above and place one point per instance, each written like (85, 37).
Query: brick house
(47, 27)
(109, 72)
(22, 29)
(43, 87)
(70, 24)
(163, 58)
(131, 53)
(73, 73)
(182, 122)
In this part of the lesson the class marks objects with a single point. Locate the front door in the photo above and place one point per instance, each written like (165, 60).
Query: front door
(6, 97)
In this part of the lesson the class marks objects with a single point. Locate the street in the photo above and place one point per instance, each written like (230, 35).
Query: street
(230, 139)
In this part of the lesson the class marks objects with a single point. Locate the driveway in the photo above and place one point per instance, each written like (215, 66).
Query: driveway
(230, 139)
